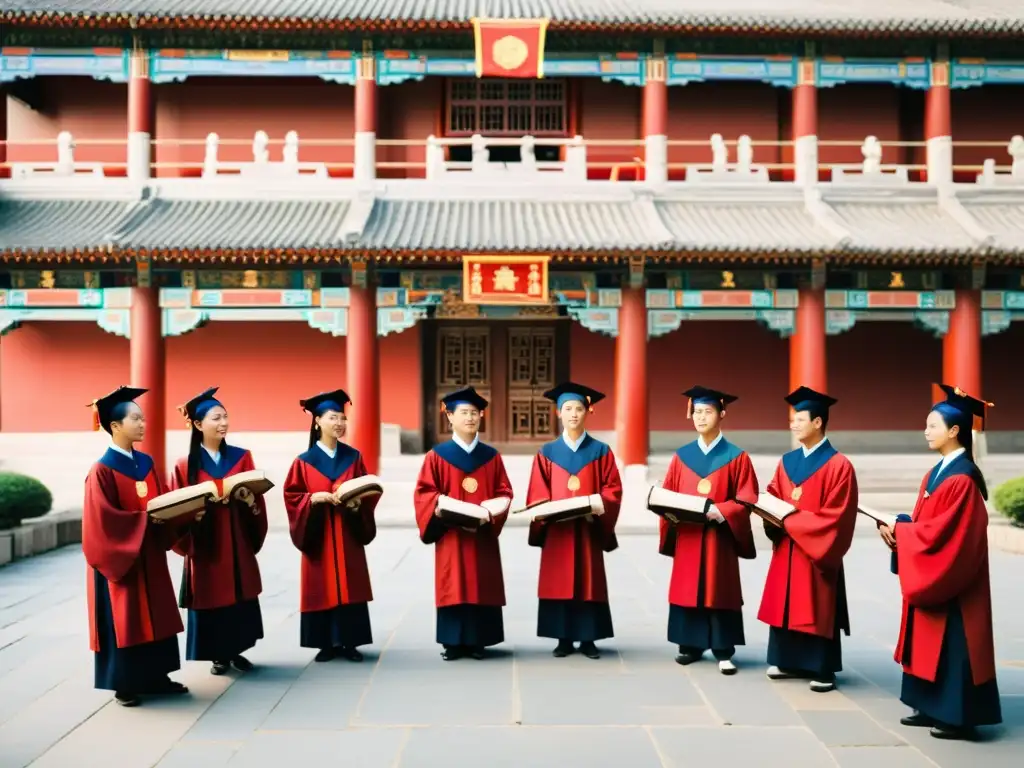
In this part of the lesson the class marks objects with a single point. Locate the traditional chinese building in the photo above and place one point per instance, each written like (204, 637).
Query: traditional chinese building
(397, 199)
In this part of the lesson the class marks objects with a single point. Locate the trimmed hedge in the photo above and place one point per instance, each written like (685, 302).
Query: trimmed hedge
(22, 498)
(1009, 500)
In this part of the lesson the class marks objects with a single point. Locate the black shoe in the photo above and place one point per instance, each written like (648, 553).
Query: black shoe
(350, 653)
(241, 663)
(688, 658)
(127, 699)
(451, 653)
(220, 667)
(589, 650)
(324, 654)
(168, 686)
(917, 720)
(476, 651)
(952, 733)
(563, 649)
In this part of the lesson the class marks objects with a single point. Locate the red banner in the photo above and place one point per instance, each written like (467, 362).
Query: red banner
(505, 279)
(512, 48)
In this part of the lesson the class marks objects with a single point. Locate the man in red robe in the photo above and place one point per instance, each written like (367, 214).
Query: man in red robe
(804, 598)
(572, 588)
(705, 597)
(941, 556)
(133, 614)
(469, 588)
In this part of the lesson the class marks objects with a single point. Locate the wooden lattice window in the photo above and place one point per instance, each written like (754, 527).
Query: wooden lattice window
(507, 107)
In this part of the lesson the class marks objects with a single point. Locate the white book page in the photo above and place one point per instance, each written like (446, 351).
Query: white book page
(774, 506)
(662, 497)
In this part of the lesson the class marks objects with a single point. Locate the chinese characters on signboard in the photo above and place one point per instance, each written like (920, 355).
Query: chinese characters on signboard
(505, 279)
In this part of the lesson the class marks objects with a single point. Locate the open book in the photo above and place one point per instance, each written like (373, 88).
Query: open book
(192, 498)
(879, 517)
(566, 509)
(466, 514)
(677, 507)
(357, 488)
(772, 509)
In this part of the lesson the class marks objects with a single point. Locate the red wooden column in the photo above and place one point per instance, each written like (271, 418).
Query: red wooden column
(807, 365)
(631, 416)
(365, 153)
(805, 124)
(3, 134)
(140, 116)
(655, 121)
(362, 362)
(961, 346)
(146, 348)
(938, 126)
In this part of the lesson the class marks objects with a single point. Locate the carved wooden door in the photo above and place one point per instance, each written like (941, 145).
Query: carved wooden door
(463, 360)
(531, 372)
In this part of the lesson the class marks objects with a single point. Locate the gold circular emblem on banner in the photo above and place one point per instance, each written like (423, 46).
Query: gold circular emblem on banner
(704, 486)
(796, 493)
(573, 484)
(141, 489)
(509, 52)
(469, 484)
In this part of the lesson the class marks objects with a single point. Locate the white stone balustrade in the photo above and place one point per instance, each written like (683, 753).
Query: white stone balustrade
(990, 177)
(261, 165)
(743, 171)
(64, 167)
(572, 169)
(872, 172)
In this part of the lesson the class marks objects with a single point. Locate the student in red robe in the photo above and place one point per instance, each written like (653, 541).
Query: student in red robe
(804, 598)
(705, 597)
(572, 588)
(469, 588)
(335, 581)
(941, 556)
(133, 616)
(220, 581)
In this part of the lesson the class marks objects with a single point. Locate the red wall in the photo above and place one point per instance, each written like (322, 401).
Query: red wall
(854, 112)
(993, 114)
(1001, 378)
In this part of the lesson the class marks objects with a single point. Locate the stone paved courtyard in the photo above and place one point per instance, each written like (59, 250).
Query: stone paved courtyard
(405, 707)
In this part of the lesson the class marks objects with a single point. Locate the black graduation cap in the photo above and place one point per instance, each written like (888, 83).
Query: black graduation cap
(703, 396)
(103, 407)
(570, 390)
(191, 410)
(806, 399)
(960, 400)
(469, 396)
(326, 401)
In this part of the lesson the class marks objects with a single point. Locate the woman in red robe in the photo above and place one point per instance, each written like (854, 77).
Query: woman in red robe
(705, 597)
(335, 581)
(572, 588)
(133, 617)
(469, 587)
(941, 556)
(220, 581)
(804, 599)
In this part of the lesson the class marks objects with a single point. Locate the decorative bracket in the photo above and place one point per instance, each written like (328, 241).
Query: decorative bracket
(636, 270)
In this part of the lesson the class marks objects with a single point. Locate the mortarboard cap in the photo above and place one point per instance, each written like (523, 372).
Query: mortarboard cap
(196, 408)
(806, 399)
(468, 396)
(570, 390)
(103, 407)
(703, 396)
(318, 405)
(957, 398)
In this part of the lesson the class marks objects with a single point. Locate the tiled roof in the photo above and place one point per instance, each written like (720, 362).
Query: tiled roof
(901, 227)
(59, 225)
(512, 225)
(234, 224)
(1004, 220)
(741, 227)
(895, 16)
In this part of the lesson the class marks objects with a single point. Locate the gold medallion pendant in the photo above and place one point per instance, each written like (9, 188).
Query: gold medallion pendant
(141, 489)
(704, 487)
(469, 484)
(796, 493)
(573, 484)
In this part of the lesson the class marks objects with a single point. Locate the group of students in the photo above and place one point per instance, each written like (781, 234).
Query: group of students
(939, 553)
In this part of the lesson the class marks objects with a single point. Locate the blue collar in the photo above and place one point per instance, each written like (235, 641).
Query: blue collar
(137, 467)
(960, 465)
(331, 467)
(574, 445)
(703, 464)
(589, 450)
(229, 457)
(800, 466)
(467, 447)
(455, 454)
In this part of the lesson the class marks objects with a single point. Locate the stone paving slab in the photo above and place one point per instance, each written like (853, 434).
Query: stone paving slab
(520, 707)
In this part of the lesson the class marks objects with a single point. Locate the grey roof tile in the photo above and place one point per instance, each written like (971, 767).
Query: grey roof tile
(794, 15)
(59, 225)
(741, 226)
(1004, 220)
(234, 224)
(901, 227)
(511, 225)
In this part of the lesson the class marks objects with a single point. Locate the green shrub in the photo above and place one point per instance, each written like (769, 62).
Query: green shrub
(21, 498)
(1009, 499)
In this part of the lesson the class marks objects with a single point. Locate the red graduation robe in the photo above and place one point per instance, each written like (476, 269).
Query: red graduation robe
(806, 562)
(942, 561)
(709, 555)
(467, 565)
(331, 539)
(572, 559)
(129, 550)
(220, 550)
